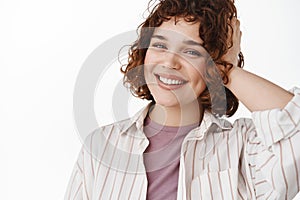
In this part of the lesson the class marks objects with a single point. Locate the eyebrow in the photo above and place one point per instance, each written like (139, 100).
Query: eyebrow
(192, 42)
(188, 42)
(159, 37)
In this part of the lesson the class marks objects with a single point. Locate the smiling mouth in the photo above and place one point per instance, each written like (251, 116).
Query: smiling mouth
(170, 80)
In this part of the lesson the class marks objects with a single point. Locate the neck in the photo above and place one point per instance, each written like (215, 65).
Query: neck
(177, 115)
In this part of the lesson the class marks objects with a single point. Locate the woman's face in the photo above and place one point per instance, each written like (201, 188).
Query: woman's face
(174, 63)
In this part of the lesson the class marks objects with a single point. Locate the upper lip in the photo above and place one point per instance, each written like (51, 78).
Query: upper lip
(170, 76)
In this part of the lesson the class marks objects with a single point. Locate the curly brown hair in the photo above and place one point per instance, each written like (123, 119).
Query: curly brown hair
(214, 17)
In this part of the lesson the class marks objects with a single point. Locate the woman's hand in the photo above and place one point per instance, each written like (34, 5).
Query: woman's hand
(245, 85)
(234, 42)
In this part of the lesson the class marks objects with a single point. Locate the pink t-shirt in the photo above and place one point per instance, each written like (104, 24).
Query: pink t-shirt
(162, 157)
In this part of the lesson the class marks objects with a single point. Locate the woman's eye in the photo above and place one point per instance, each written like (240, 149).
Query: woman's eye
(160, 46)
(193, 52)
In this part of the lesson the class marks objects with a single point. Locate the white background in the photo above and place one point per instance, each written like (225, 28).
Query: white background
(42, 47)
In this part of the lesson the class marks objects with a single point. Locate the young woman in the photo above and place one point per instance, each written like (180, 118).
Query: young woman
(187, 62)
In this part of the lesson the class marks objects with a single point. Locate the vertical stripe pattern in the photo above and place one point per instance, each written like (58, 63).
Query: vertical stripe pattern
(256, 158)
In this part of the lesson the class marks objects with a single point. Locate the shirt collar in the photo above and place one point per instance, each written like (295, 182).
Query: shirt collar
(138, 119)
(209, 122)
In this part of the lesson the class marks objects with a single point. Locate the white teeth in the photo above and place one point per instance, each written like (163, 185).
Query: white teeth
(170, 81)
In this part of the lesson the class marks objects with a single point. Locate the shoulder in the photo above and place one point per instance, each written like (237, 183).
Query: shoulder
(106, 136)
(110, 130)
(118, 134)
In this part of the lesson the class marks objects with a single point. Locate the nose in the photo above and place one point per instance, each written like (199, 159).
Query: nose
(172, 60)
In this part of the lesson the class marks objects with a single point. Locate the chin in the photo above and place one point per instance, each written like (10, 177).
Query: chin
(166, 102)
(172, 102)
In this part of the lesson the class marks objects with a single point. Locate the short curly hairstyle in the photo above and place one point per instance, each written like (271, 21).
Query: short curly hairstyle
(214, 17)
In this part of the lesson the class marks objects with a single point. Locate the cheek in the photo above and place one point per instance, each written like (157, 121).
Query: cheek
(148, 71)
(149, 63)
(200, 67)
(196, 67)
(150, 57)
(199, 84)
(197, 72)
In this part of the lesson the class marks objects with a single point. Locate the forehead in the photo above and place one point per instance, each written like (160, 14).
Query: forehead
(180, 28)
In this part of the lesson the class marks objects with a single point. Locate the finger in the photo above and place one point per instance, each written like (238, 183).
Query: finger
(239, 40)
(237, 30)
(235, 20)
(238, 22)
(236, 25)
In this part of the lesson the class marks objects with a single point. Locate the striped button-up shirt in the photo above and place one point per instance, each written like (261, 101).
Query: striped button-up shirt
(256, 158)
